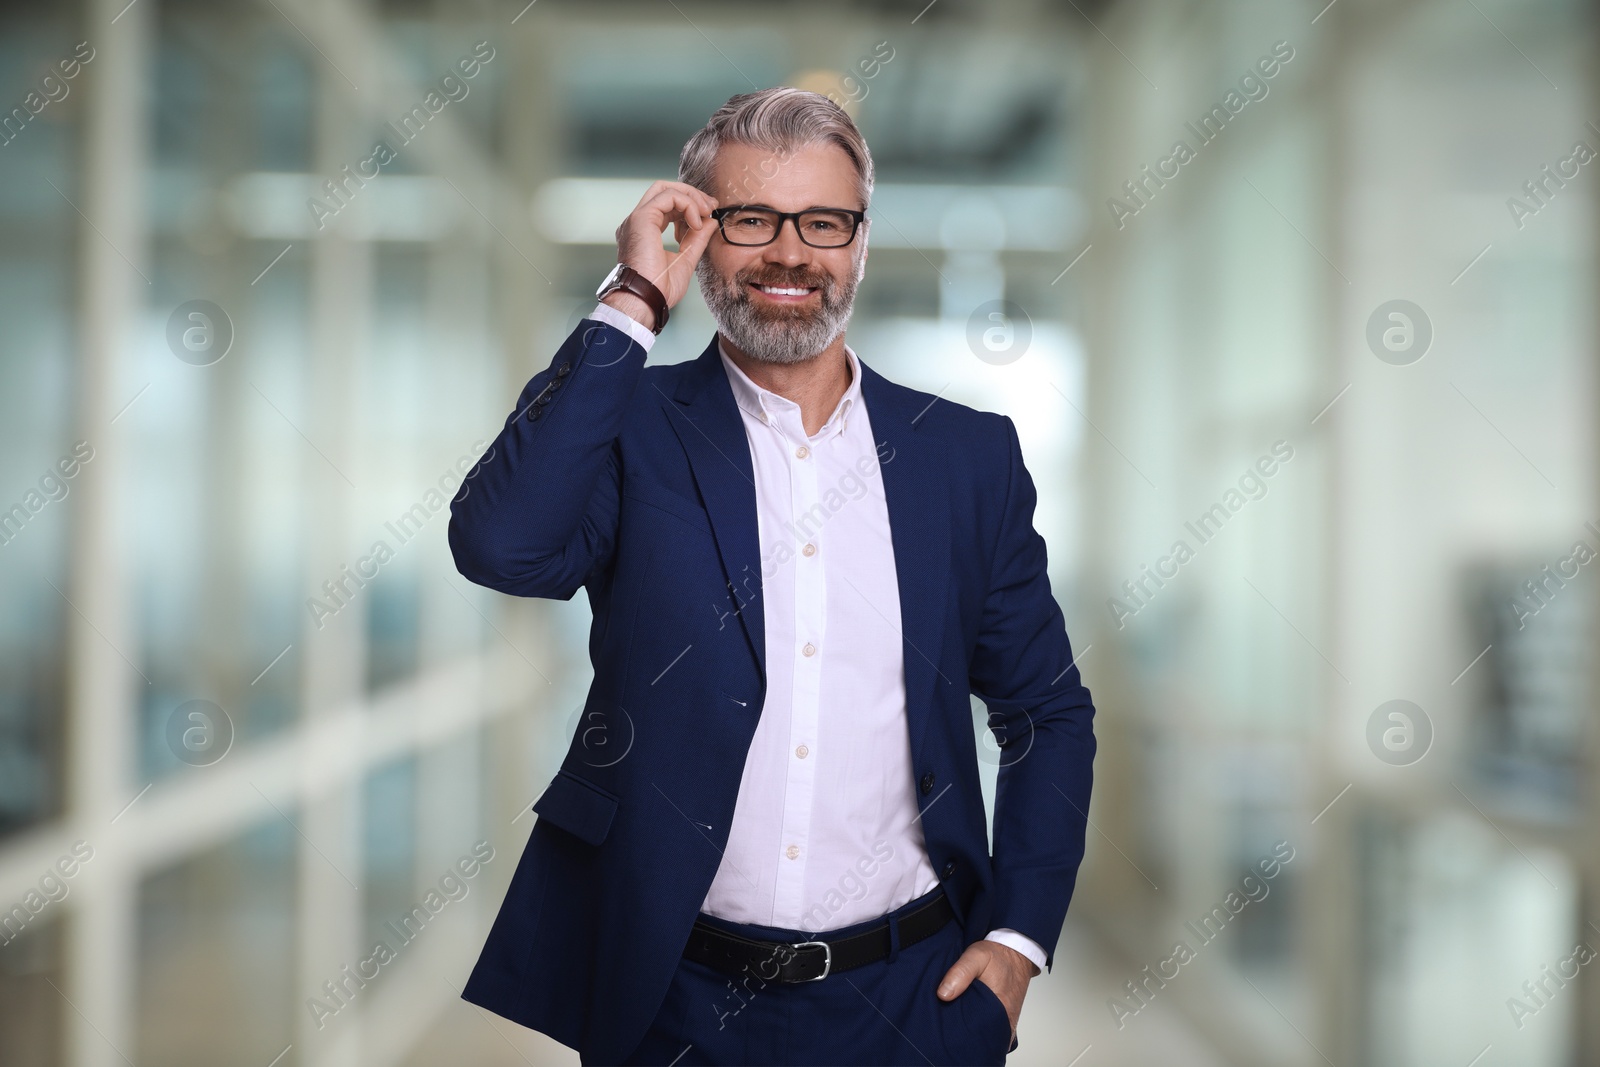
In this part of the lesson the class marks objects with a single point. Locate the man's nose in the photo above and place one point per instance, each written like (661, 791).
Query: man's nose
(787, 248)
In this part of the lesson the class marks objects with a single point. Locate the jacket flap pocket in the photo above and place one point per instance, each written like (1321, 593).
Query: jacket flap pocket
(577, 807)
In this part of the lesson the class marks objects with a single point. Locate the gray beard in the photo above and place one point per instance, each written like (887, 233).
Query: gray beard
(787, 335)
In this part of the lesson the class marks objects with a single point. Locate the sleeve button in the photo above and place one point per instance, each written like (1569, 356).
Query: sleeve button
(927, 783)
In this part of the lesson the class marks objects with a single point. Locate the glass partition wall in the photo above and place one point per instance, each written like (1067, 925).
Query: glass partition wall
(1342, 352)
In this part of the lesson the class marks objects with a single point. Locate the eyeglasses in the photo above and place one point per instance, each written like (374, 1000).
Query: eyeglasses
(825, 227)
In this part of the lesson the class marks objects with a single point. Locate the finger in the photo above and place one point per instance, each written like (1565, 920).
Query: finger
(694, 247)
(669, 205)
(692, 210)
(685, 187)
(959, 976)
(655, 203)
(650, 193)
(705, 202)
(674, 201)
(683, 263)
(683, 232)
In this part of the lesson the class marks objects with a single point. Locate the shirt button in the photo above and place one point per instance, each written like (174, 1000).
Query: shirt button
(809, 550)
(802, 452)
(802, 752)
(809, 650)
(793, 852)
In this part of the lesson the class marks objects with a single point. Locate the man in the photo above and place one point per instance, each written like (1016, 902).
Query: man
(767, 841)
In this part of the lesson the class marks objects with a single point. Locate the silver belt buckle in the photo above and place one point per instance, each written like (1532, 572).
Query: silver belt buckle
(827, 958)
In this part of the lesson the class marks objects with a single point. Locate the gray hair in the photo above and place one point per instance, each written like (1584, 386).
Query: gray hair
(781, 120)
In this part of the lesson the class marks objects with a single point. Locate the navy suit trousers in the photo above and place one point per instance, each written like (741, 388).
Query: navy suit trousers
(883, 1013)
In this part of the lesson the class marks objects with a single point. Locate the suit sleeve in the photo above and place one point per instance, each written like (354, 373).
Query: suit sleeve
(1022, 668)
(537, 516)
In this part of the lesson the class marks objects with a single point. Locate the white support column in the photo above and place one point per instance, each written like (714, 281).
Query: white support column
(333, 658)
(1586, 843)
(1329, 918)
(532, 132)
(103, 686)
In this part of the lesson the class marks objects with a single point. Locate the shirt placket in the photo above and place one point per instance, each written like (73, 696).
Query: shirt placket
(810, 608)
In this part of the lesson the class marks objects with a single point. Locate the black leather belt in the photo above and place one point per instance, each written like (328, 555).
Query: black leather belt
(810, 961)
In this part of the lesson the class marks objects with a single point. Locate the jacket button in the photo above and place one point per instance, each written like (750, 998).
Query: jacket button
(563, 370)
(533, 416)
(927, 783)
(949, 868)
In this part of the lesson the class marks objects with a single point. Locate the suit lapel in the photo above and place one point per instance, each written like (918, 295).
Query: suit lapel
(706, 419)
(917, 489)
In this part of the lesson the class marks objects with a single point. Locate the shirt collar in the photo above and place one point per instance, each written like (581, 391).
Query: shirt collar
(768, 406)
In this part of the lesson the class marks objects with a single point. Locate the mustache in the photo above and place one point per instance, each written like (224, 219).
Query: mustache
(787, 281)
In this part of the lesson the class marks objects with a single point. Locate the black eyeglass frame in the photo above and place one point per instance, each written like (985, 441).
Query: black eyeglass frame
(856, 218)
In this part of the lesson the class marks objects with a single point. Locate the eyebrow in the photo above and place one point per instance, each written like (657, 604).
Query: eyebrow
(813, 207)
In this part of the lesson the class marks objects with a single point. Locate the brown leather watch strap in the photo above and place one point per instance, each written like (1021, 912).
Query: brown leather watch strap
(641, 287)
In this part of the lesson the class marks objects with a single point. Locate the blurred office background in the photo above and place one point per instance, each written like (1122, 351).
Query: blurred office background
(223, 780)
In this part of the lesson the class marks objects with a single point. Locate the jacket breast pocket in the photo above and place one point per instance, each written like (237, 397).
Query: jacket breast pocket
(578, 806)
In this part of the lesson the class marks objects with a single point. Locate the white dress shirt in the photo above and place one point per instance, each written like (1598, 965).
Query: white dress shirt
(825, 830)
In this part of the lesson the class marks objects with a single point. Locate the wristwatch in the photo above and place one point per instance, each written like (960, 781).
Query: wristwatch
(623, 276)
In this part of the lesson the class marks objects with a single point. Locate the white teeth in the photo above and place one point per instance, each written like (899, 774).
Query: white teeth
(775, 291)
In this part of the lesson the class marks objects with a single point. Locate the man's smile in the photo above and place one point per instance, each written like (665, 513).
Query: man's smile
(784, 294)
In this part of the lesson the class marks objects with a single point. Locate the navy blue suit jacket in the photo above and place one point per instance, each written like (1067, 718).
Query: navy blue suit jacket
(635, 484)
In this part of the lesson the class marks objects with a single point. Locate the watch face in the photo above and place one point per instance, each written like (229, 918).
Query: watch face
(616, 272)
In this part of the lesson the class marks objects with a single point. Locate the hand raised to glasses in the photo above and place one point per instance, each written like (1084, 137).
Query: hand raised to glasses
(639, 243)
